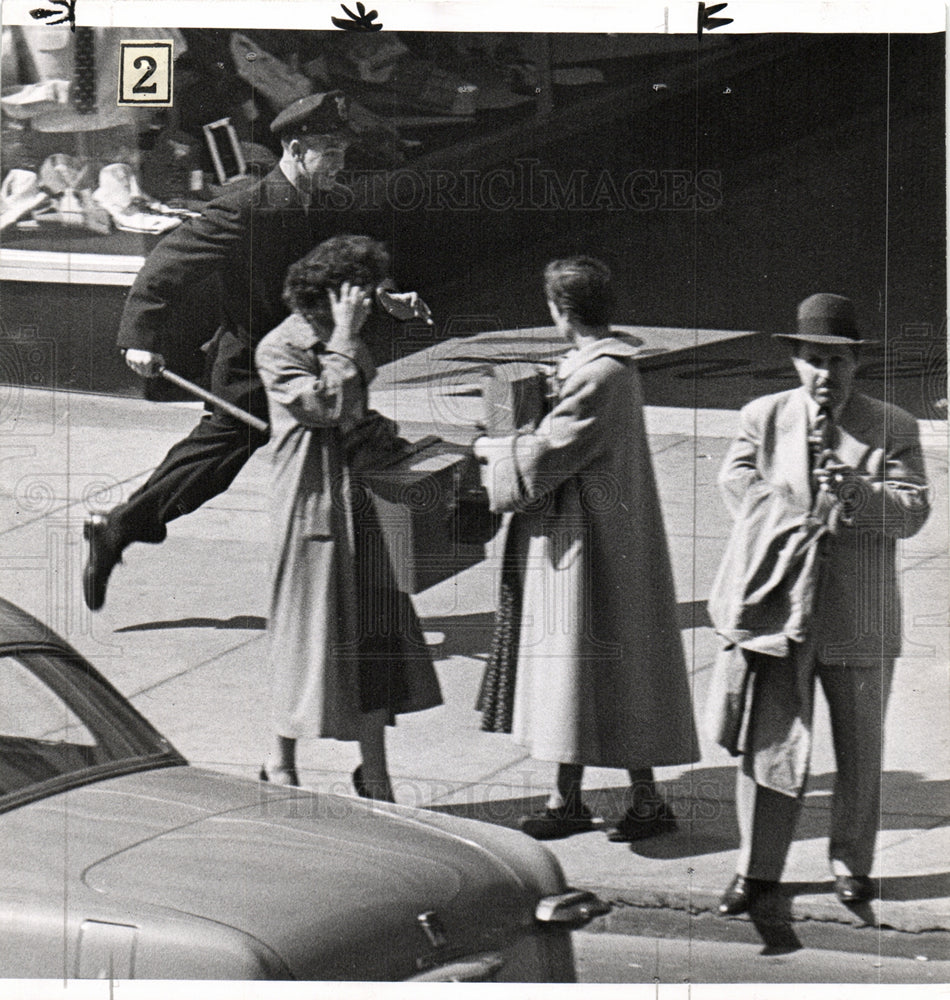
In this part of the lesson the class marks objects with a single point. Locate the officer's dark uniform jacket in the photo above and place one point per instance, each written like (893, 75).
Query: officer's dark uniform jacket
(247, 238)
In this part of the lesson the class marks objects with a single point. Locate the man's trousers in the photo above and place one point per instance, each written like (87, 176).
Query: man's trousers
(857, 701)
(197, 468)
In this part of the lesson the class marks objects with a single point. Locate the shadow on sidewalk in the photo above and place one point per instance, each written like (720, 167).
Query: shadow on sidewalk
(706, 826)
(693, 614)
(908, 799)
(465, 635)
(893, 887)
(254, 622)
(704, 802)
(501, 812)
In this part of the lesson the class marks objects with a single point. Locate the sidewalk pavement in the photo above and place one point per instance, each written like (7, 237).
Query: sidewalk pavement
(182, 634)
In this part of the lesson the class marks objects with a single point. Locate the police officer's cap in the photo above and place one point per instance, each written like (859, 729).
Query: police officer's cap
(318, 114)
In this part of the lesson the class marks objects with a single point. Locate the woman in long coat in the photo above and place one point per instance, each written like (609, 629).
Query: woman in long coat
(593, 634)
(345, 648)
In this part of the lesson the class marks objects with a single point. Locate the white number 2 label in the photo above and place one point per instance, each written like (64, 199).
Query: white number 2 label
(145, 73)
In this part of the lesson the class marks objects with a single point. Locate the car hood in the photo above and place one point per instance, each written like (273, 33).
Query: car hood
(334, 885)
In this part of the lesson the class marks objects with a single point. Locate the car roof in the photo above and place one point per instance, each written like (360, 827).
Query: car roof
(20, 632)
(20, 629)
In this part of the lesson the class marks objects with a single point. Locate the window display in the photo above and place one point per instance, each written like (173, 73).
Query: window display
(83, 173)
(72, 157)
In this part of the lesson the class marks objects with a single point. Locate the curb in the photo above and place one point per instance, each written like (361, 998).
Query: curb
(785, 927)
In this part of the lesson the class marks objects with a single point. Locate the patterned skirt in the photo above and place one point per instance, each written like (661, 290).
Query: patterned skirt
(496, 697)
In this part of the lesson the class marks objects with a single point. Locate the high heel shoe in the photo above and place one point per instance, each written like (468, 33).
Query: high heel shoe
(280, 776)
(362, 789)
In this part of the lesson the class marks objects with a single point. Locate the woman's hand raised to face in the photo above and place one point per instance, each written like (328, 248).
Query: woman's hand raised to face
(350, 308)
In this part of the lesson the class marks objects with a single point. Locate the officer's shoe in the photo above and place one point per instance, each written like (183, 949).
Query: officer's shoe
(104, 553)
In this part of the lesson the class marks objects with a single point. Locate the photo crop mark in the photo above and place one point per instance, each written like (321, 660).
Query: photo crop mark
(66, 13)
(705, 20)
(363, 20)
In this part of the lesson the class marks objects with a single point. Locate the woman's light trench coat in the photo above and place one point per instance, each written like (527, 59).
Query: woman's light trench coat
(601, 678)
(339, 632)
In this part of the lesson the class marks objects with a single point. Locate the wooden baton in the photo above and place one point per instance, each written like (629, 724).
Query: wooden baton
(210, 397)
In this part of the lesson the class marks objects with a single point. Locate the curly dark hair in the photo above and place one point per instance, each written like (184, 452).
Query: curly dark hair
(580, 287)
(359, 260)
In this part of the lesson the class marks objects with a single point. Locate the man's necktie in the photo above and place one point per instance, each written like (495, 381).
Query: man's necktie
(84, 74)
(820, 439)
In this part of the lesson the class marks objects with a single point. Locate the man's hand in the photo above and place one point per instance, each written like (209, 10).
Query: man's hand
(350, 309)
(834, 476)
(848, 486)
(488, 449)
(144, 363)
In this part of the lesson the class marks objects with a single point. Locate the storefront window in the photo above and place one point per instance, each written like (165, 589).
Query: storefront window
(79, 170)
(83, 174)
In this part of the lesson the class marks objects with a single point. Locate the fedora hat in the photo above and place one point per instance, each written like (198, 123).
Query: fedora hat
(824, 318)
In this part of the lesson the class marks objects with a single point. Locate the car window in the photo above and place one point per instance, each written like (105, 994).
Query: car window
(29, 709)
(61, 724)
(41, 737)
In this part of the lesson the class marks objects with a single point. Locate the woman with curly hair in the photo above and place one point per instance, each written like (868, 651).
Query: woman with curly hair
(345, 647)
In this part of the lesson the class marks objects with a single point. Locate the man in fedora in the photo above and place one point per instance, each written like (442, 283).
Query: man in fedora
(821, 482)
(246, 239)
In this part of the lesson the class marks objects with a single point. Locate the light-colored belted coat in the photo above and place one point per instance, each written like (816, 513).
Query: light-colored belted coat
(601, 678)
(341, 638)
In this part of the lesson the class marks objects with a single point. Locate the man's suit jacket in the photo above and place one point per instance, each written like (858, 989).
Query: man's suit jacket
(856, 618)
(247, 239)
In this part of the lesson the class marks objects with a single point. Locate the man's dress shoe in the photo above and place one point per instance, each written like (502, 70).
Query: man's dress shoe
(852, 889)
(104, 553)
(739, 895)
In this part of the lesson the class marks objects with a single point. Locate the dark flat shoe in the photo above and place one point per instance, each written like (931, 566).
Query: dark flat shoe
(280, 775)
(851, 889)
(104, 554)
(639, 824)
(552, 824)
(739, 895)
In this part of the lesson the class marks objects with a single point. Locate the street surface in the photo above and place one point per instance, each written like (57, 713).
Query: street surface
(626, 958)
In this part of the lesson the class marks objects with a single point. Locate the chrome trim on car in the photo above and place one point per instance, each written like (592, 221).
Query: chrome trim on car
(472, 969)
(433, 928)
(575, 907)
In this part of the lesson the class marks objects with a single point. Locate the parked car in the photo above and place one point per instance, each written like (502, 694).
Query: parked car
(121, 860)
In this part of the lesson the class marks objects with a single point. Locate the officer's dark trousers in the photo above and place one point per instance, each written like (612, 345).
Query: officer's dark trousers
(196, 469)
